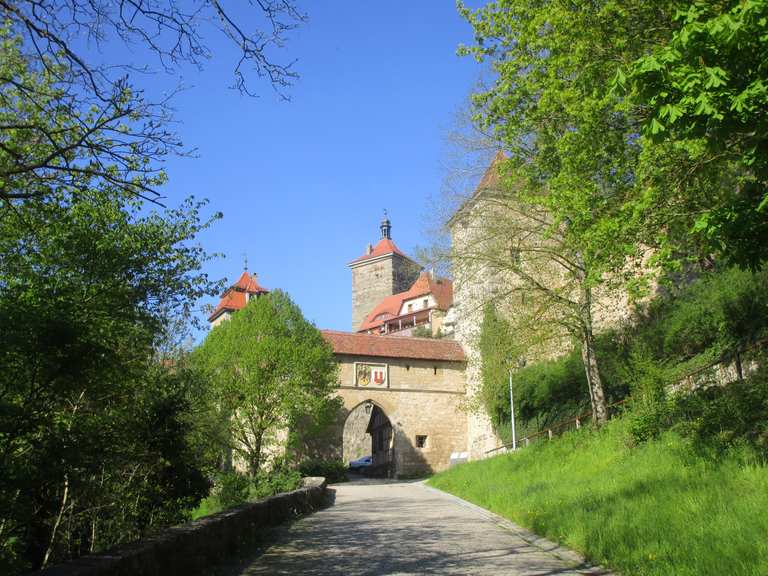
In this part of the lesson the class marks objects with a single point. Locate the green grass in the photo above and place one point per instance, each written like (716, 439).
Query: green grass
(653, 509)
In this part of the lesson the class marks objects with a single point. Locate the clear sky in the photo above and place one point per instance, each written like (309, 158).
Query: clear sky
(303, 184)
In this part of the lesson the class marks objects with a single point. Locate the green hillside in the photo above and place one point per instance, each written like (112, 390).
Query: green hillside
(658, 507)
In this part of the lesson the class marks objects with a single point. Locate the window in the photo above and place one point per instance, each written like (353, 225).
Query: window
(434, 370)
(421, 441)
(425, 303)
(410, 307)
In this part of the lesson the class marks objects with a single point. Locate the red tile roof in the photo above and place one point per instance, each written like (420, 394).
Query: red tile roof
(389, 307)
(385, 246)
(490, 180)
(234, 297)
(350, 344)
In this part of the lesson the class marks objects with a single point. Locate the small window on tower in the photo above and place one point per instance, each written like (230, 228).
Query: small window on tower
(421, 441)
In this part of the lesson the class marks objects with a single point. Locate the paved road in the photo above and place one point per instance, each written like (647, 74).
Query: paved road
(401, 528)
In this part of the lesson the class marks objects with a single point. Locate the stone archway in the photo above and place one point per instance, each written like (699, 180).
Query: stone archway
(368, 431)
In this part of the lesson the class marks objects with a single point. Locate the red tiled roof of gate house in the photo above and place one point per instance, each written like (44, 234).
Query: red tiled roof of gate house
(351, 344)
(383, 247)
(389, 307)
(234, 297)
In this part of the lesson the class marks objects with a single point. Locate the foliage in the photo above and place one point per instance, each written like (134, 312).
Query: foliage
(426, 332)
(270, 368)
(546, 392)
(572, 151)
(654, 509)
(333, 471)
(233, 488)
(99, 439)
(715, 317)
(74, 117)
(726, 418)
(704, 93)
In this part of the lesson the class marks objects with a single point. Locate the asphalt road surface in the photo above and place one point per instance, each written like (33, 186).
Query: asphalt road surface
(378, 527)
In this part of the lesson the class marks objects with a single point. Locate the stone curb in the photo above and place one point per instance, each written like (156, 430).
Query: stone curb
(543, 544)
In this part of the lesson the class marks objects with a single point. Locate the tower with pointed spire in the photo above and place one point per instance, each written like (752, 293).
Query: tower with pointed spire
(237, 296)
(382, 271)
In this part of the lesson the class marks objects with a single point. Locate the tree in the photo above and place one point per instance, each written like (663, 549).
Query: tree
(702, 98)
(542, 284)
(561, 225)
(66, 116)
(99, 439)
(270, 368)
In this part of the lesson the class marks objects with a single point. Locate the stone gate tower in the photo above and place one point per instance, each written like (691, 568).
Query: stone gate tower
(382, 271)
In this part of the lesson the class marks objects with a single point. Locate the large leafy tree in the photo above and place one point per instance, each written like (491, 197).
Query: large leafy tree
(271, 371)
(99, 439)
(572, 145)
(702, 98)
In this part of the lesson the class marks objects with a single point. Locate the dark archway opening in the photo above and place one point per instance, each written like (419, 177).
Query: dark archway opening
(368, 441)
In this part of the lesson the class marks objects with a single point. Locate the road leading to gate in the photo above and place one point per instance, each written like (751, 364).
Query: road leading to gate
(399, 528)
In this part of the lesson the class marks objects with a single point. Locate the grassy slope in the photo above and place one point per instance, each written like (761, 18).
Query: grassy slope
(651, 509)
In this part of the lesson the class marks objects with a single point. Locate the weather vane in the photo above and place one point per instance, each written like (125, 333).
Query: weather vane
(245, 259)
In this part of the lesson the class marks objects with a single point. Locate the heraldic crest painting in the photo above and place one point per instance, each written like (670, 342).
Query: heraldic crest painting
(371, 375)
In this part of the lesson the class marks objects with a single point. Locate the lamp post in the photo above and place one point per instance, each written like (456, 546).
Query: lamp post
(520, 364)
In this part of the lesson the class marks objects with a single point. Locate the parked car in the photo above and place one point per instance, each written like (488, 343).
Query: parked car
(361, 463)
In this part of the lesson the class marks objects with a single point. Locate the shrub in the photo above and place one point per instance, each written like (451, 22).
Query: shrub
(713, 318)
(280, 478)
(332, 470)
(231, 489)
(727, 418)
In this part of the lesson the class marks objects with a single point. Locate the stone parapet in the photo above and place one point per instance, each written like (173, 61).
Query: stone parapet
(192, 548)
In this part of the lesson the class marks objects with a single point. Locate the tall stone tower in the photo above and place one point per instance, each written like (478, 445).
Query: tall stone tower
(382, 271)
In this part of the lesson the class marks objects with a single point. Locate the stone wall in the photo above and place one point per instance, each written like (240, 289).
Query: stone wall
(192, 548)
(424, 398)
(377, 278)
(482, 227)
(356, 441)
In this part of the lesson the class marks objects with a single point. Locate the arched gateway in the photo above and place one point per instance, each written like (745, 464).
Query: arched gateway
(368, 432)
(401, 400)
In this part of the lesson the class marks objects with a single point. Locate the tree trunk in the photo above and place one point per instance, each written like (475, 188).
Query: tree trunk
(588, 357)
(256, 454)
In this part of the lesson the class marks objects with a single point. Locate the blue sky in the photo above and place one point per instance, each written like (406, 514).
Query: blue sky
(303, 184)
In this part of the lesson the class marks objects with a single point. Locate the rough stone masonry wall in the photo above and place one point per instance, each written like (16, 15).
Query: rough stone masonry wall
(476, 283)
(192, 548)
(424, 398)
(381, 277)
(371, 283)
(356, 441)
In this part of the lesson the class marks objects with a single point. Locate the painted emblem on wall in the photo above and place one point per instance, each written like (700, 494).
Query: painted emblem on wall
(373, 375)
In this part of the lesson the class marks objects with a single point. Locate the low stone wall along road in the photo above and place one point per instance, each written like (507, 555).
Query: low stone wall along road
(381, 527)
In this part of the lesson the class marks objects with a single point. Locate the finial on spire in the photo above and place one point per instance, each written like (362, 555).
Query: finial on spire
(386, 227)
(245, 259)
